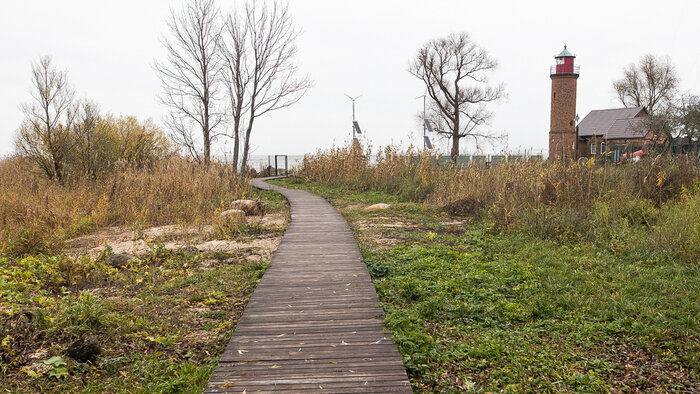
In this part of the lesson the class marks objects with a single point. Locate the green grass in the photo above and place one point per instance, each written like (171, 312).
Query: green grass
(162, 321)
(475, 310)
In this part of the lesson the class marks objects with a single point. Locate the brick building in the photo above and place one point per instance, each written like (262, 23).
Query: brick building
(611, 133)
(608, 133)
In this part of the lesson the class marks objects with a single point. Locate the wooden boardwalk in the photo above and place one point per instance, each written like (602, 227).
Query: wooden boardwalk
(314, 323)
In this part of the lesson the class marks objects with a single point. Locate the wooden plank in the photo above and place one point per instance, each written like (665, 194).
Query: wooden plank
(314, 323)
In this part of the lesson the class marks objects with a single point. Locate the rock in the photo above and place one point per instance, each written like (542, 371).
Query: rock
(120, 259)
(377, 207)
(250, 207)
(85, 349)
(189, 249)
(233, 215)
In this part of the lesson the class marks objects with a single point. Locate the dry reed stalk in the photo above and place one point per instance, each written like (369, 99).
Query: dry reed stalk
(36, 212)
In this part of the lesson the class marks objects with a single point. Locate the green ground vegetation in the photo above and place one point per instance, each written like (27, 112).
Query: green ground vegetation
(478, 307)
(162, 321)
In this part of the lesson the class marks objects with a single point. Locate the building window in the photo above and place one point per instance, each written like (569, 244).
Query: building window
(555, 94)
(593, 148)
(602, 148)
(571, 123)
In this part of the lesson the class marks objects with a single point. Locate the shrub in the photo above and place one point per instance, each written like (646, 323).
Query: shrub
(678, 231)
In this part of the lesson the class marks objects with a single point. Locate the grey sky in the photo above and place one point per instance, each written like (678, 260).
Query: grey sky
(355, 47)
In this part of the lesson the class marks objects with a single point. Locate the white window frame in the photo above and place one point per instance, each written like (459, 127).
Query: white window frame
(593, 148)
(602, 148)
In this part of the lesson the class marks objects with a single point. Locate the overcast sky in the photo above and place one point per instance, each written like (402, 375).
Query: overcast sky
(355, 47)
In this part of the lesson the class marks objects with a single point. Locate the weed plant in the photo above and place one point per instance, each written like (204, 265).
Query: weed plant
(162, 321)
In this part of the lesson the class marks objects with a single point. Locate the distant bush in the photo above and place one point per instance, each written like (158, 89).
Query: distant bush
(114, 141)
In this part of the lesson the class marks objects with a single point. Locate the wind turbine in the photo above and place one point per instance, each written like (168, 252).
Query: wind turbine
(355, 125)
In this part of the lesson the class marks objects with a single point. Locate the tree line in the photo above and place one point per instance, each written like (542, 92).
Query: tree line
(224, 70)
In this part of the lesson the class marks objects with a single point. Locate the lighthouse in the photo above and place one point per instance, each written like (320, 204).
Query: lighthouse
(562, 130)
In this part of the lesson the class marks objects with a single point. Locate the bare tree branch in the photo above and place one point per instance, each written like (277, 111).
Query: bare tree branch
(270, 69)
(236, 75)
(46, 135)
(652, 84)
(454, 70)
(190, 76)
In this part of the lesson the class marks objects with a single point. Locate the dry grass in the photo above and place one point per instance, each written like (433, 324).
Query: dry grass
(548, 200)
(38, 214)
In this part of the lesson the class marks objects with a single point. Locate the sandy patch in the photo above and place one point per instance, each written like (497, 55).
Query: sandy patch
(272, 220)
(232, 246)
(453, 223)
(173, 237)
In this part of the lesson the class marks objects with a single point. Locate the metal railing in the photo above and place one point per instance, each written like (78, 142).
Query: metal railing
(275, 170)
(576, 70)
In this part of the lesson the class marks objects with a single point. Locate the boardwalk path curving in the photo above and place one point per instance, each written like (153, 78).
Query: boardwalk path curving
(314, 322)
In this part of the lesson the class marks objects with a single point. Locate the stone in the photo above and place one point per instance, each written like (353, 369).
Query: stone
(250, 207)
(85, 349)
(120, 259)
(233, 215)
(377, 207)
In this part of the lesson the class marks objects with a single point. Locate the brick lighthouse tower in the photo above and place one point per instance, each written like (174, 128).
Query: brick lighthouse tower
(562, 130)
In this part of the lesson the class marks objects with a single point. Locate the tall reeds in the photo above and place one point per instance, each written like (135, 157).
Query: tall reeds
(550, 200)
(37, 213)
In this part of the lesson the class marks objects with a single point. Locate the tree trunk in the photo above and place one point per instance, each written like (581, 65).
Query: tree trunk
(57, 169)
(207, 149)
(236, 146)
(206, 131)
(454, 153)
(237, 132)
(246, 145)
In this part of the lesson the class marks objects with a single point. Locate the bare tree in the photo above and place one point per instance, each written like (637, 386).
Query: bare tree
(269, 68)
(652, 84)
(454, 70)
(689, 117)
(86, 129)
(236, 75)
(46, 135)
(190, 76)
